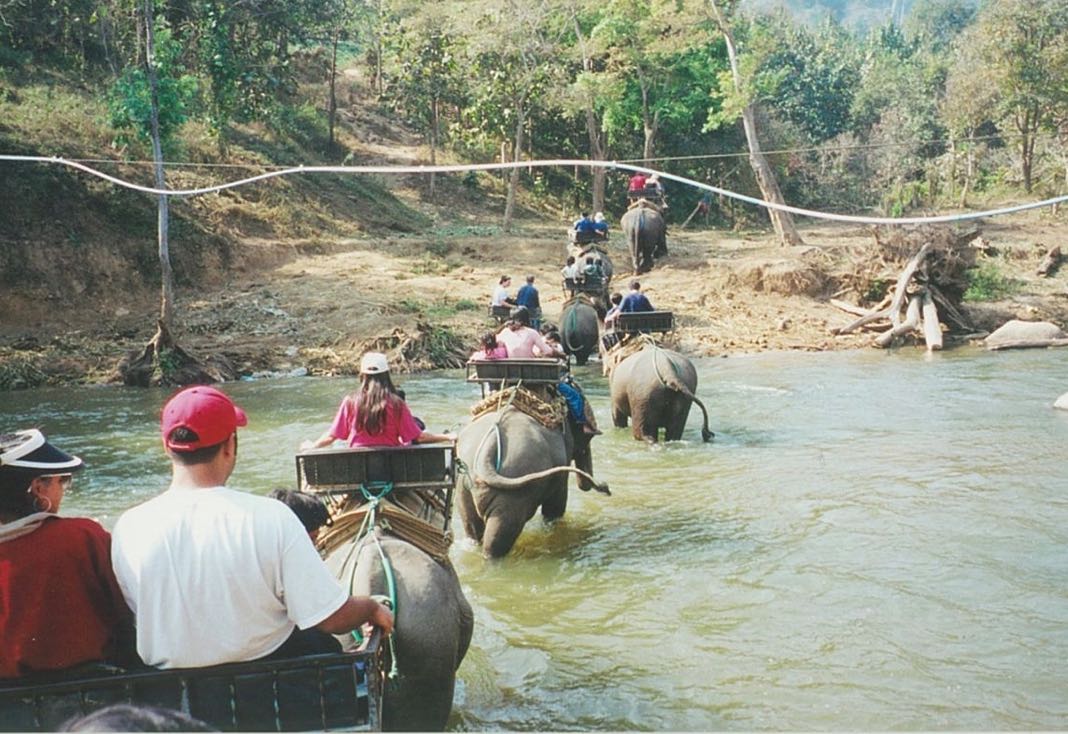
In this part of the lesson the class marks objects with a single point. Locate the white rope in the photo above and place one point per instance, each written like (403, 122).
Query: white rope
(557, 163)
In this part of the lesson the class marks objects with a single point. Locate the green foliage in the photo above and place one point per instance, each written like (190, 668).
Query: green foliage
(130, 98)
(987, 283)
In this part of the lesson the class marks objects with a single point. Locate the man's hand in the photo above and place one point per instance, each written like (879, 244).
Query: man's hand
(383, 618)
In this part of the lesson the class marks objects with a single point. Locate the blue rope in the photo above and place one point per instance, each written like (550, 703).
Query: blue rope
(374, 492)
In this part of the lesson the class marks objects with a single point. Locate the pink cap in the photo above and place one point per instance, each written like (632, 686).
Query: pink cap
(205, 411)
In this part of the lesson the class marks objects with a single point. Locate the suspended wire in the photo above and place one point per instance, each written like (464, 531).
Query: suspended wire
(557, 163)
(696, 157)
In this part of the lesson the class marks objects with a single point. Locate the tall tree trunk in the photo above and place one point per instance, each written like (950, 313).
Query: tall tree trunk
(332, 104)
(593, 127)
(650, 122)
(517, 150)
(166, 306)
(765, 176)
(434, 113)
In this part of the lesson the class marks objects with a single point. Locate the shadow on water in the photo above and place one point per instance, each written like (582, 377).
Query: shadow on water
(874, 540)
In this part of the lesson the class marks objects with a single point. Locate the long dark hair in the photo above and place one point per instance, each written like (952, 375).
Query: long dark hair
(376, 396)
(15, 497)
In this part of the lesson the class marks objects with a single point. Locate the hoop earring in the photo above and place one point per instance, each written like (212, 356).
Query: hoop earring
(36, 503)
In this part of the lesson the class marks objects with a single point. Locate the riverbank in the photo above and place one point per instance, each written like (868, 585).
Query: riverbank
(314, 307)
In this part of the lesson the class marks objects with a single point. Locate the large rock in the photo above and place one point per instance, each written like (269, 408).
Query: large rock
(1024, 334)
(1062, 402)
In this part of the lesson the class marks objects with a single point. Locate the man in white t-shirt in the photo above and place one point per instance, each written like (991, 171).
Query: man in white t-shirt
(214, 575)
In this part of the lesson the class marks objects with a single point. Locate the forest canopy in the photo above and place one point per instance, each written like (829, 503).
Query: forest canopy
(885, 107)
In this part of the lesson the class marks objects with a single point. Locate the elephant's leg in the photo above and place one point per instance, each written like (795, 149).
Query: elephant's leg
(501, 534)
(582, 356)
(555, 500)
(620, 412)
(474, 527)
(676, 418)
(645, 424)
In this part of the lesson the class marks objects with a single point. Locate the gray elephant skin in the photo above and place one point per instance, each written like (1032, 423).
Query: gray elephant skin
(654, 389)
(432, 627)
(579, 329)
(646, 233)
(514, 465)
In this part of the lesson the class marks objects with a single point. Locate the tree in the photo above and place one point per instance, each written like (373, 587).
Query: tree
(1022, 46)
(782, 221)
(427, 79)
(513, 48)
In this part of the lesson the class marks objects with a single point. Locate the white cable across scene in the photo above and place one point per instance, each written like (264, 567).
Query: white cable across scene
(558, 163)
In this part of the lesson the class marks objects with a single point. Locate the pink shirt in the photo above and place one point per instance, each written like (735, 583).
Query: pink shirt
(498, 352)
(524, 342)
(399, 429)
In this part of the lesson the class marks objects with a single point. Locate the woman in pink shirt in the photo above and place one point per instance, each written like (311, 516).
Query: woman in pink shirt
(523, 341)
(491, 348)
(375, 415)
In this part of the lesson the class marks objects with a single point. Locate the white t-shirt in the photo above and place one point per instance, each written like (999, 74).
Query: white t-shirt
(215, 576)
(499, 294)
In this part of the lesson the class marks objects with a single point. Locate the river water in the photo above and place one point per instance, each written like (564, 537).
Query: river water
(874, 540)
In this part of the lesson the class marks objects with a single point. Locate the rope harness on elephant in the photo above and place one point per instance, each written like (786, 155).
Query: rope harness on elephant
(626, 347)
(549, 411)
(350, 520)
(368, 526)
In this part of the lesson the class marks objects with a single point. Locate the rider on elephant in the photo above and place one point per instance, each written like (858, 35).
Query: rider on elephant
(636, 301)
(522, 341)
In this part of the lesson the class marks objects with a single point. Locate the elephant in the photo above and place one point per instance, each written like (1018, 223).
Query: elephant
(579, 329)
(432, 630)
(654, 388)
(514, 464)
(646, 233)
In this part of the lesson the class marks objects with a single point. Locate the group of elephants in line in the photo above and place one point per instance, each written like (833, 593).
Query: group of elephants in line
(512, 467)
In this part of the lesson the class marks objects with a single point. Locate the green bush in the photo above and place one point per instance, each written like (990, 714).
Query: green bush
(986, 283)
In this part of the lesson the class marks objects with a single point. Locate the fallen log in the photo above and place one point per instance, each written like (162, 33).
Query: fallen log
(1050, 262)
(912, 320)
(932, 330)
(893, 311)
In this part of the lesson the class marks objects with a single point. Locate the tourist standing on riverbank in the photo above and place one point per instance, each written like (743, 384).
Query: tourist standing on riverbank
(214, 575)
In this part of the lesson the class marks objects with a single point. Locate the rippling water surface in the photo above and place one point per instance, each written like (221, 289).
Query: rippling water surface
(874, 540)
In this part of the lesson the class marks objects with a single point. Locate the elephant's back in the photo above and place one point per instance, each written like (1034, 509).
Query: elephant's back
(651, 368)
(579, 318)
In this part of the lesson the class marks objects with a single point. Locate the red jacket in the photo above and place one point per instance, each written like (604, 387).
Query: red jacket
(637, 182)
(60, 605)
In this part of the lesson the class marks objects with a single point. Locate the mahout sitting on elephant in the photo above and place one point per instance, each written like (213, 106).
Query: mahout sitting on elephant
(652, 387)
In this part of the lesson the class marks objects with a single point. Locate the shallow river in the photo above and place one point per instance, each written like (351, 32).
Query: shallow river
(873, 541)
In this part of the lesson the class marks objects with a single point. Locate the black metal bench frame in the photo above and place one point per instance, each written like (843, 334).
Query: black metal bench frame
(332, 692)
(430, 466)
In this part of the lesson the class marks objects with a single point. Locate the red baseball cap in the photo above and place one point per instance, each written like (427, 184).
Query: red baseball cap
(205, 411)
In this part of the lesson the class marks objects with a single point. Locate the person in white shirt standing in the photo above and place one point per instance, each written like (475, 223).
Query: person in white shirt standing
(500, 293)
(214, 575)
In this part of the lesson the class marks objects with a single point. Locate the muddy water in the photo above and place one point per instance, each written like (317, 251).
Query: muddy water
(873, 541)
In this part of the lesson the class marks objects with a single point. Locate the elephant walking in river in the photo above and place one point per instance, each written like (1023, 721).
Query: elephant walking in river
(514, 465)
(653, 388)
(579, 329)
(646, 233)
(433, 625)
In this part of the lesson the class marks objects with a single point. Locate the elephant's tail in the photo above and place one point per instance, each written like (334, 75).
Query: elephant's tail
(672, 382)
(487, 475)
(497, 481)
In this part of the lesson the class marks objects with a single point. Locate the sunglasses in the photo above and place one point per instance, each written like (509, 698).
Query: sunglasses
(65, 480)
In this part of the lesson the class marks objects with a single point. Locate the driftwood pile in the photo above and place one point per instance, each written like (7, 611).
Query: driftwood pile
(927, 291)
